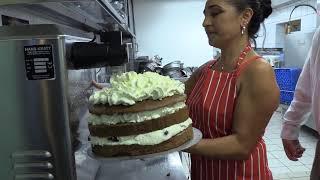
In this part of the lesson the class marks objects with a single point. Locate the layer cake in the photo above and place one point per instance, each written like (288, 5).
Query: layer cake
(140, 114)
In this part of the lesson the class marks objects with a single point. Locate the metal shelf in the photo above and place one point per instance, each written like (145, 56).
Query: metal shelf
(122, 22)
(89, 15)
(109, 8)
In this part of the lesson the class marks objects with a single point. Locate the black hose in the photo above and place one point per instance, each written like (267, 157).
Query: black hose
(94, 37)
(307, 5)
(264, 34)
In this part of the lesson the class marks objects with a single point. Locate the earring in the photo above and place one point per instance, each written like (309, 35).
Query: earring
(243, 28)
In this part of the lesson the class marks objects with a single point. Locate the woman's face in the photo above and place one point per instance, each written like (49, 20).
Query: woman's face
(222, 22)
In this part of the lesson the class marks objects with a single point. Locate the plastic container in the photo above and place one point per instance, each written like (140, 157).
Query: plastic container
(287, 78)
(286, 97)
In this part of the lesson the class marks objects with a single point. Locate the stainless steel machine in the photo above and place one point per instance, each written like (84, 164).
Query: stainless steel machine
(35, 133)
(296, 49)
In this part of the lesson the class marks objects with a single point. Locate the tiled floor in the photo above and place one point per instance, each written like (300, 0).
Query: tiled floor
(281, 167)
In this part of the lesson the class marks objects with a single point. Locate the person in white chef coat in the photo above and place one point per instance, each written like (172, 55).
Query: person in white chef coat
(306, 99)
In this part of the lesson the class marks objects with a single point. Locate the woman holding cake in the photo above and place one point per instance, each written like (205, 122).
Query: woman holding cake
(231, 99)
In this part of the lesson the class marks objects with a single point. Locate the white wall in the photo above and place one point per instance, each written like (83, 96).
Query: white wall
(275, 23)
(173, 30)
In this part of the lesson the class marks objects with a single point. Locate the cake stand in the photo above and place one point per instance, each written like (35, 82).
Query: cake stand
(197, 136)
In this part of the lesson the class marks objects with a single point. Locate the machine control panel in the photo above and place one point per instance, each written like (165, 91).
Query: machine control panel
(39, 62)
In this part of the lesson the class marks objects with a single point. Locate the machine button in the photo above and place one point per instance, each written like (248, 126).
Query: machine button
(35, 153)
(43, 165)
(34, 176)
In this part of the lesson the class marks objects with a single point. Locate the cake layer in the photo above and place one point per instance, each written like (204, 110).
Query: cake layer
(126, 129)
(130, 88)
(134, 117)
(150, 138)
(136, 150)
(146, 105)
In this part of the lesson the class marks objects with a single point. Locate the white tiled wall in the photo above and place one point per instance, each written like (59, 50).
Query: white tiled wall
(275, 23)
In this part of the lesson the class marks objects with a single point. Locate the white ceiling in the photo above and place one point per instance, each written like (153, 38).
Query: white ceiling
(276, 3)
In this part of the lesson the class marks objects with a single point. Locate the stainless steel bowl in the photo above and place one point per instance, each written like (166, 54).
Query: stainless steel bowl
(173, 73)
(149, 66)
(173, 65)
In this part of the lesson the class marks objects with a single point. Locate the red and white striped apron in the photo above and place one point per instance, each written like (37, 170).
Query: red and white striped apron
(211, 104)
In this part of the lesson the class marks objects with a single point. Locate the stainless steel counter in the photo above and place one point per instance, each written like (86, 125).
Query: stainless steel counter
(167, 167)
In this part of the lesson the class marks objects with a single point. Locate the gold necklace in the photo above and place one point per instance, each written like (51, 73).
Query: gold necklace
(242, 56)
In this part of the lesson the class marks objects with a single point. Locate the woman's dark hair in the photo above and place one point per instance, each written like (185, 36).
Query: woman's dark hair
(261, 9)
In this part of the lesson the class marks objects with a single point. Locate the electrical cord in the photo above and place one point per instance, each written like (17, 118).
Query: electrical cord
(264, 35)
(300, 5)
(94, 38)
(99, 70)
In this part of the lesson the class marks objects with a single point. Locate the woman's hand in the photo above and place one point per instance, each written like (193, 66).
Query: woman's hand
(191, 149)
(191, 82)
(96, 85)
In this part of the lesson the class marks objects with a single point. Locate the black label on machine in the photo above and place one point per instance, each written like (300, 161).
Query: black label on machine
(39, 62)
